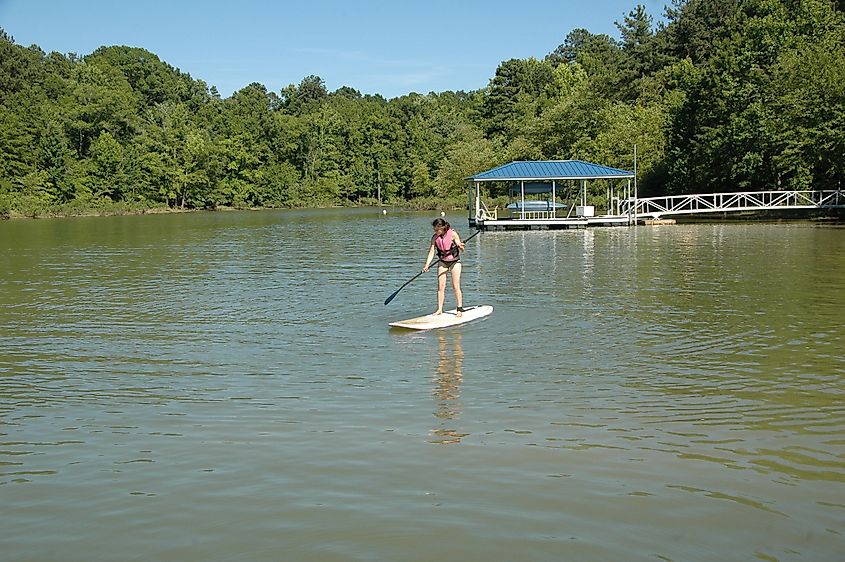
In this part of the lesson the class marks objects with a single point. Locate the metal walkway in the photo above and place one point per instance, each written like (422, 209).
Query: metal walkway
(657, 207)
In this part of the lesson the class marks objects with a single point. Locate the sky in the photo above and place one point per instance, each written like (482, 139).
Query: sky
(382, 47)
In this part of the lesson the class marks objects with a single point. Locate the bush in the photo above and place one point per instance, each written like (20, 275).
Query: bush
(28, 206)
(5, 206)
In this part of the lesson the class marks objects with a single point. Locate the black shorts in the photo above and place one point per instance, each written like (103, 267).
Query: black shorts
(448, 264)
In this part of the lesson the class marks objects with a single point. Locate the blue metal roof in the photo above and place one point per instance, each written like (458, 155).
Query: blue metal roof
(551, 170)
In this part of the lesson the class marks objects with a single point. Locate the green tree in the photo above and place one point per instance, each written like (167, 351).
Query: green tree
(151, 80)
(101, 101)
(108, 173)
(305, 97)
(516, 94)
(567, 52)
(807, 117)
(732, 131)
(472, 153)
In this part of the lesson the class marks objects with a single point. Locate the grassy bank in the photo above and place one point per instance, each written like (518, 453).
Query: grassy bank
(31, 207)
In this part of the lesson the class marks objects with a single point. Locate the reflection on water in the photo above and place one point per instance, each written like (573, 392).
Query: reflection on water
(447, 387)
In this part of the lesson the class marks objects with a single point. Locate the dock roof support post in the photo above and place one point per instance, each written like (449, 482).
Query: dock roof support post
(522, 194)
(635, 184)
(470, 213)
(477, 199)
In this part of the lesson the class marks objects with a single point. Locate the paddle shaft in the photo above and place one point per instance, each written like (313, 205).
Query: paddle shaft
(406, 283)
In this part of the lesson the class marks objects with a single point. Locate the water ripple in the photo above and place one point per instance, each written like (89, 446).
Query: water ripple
(229, 377)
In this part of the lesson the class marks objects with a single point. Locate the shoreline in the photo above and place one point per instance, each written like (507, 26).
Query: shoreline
(60, 213)
(117, 209)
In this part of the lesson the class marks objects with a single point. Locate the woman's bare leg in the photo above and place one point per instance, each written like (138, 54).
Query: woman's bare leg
(456, 285)
(441, 286)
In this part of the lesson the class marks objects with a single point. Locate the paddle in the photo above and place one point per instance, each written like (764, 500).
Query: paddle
(405, 284)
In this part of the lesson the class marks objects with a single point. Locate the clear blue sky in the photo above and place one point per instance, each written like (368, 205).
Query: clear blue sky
(377, 47)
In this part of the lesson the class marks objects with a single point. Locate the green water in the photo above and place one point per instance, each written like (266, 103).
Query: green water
(225, 387)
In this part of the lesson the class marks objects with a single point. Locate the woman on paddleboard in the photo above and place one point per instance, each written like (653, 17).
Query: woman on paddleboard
(448, 246)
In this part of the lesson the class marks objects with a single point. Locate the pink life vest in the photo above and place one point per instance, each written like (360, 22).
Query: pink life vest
(447, 248)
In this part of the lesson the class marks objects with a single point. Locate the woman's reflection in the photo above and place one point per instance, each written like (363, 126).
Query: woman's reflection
(447, 388)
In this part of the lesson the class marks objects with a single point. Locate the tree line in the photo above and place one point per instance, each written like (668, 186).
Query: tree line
(718, 95)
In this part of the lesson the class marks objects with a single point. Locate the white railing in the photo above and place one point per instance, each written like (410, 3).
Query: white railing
(529, 215)
(486, 214)
(729, 202)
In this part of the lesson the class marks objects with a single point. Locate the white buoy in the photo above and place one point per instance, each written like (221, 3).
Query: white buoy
(442, 213)
(384, 211)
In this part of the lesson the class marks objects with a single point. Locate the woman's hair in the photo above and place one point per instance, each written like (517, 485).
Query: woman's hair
(440, 223)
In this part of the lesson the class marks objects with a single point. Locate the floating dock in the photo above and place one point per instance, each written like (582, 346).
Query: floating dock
(548, 195)
(549, 223)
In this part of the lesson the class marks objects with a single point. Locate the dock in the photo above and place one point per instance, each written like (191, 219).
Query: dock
(554, 195)
(549, 195)
(546, 223)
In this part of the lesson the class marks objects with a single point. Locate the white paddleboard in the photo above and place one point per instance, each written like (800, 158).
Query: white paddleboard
(448, 318)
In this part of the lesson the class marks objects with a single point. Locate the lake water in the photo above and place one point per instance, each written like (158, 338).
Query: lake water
(224, 386)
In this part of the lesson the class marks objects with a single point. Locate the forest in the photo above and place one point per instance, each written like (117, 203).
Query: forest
(718, 95)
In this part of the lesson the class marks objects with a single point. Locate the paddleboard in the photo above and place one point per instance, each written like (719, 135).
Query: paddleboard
(448, 318)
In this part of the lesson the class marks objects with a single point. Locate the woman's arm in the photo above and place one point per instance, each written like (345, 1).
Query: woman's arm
(429, 257)
(458, 241)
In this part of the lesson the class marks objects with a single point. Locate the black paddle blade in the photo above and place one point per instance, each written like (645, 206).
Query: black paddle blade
(405, 284)
(390, 298)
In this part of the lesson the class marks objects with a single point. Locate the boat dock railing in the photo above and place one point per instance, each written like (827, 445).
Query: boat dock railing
(656, 207)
